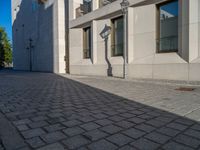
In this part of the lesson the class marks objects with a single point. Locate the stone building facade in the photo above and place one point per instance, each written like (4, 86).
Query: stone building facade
(162, 40)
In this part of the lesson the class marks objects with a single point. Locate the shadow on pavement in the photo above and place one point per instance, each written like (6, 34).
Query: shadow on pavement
(50, 111)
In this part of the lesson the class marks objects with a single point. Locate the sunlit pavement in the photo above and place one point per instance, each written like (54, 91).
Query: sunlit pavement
(50, 112)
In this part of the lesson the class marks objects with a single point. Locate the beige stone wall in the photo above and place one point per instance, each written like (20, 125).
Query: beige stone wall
(143, 61)
(45, 25)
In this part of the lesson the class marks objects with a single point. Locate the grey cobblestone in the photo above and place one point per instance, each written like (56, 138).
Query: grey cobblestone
(157, 137)
(95, 135)
(145, 144)
(55, 146)
(104, 122)
(53, 137)
(90, 126)
(38, 124)
(54, 127)
(33, 133)
(111, 129)
(75, 142)
(176, 146)
(73, 131)
(187, 140)
(102, 145)
(35, 142)
(59, 113)
(134, 133)
(71, 123)
(119, 139)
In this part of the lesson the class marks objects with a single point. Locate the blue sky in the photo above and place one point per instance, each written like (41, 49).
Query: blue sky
(171, 8)
(5, 16)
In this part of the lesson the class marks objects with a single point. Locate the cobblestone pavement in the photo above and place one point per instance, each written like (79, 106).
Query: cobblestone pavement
(50, 112)
(160, 94)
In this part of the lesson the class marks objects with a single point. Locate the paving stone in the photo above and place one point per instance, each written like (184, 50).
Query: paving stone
(145, 127)
(193, 133)
(90, 126)
(35, 142)
(55, 115)
(24, 148)
(124, 124)
(73, 131)
(39, 118)
(75, 142)
(155, 123)
(116, 118)
(168, 131)
(53, 110)
(187, 140)
(71, 123)
(22, 127)
(38, 124)
(95, 135)
(56, 120)
(127, 115)
(145, 144)
(184, 121)
(104, 122)
(111, 129)
(127, 147)
(146, 116)
(86, 119)
(23, 121)
(136, 120)
(164, 119)
(102, 145)
(53, 137)
(134, 133)
(137, 112)
(55, 146)
(33, 133)
(54, 127)
(100, 116)
(157, 137)
(175, 146)
(196, 127)
(177, 126)
(119, 139)
(111, 113)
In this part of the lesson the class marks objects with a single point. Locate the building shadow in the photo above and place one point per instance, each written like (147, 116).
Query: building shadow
(34, 21)
(60, 100)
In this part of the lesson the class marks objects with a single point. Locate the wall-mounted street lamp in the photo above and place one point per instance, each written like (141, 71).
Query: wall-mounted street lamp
(124, 7)
(30, 47)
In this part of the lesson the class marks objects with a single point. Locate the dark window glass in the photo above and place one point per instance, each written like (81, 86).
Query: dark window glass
(117, 37)
(168, 27)
(87, 6)
(87, 43)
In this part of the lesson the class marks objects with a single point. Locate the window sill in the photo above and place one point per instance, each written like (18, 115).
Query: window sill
(167, 51)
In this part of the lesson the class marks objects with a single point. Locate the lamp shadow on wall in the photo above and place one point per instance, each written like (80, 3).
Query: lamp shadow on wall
(105, 35)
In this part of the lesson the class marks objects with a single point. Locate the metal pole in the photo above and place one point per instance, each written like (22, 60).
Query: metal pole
(125, 46)
(30, 48)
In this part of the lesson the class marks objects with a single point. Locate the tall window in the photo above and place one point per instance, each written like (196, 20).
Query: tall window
(87, 43)
(87, 6)
(117, 37)
(168, 26)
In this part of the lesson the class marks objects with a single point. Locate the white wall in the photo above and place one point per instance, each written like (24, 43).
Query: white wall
(144, 61)
(46, 27)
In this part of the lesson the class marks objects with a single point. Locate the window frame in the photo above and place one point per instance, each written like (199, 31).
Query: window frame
(113, 37)
(85, 42)
(158, 28)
